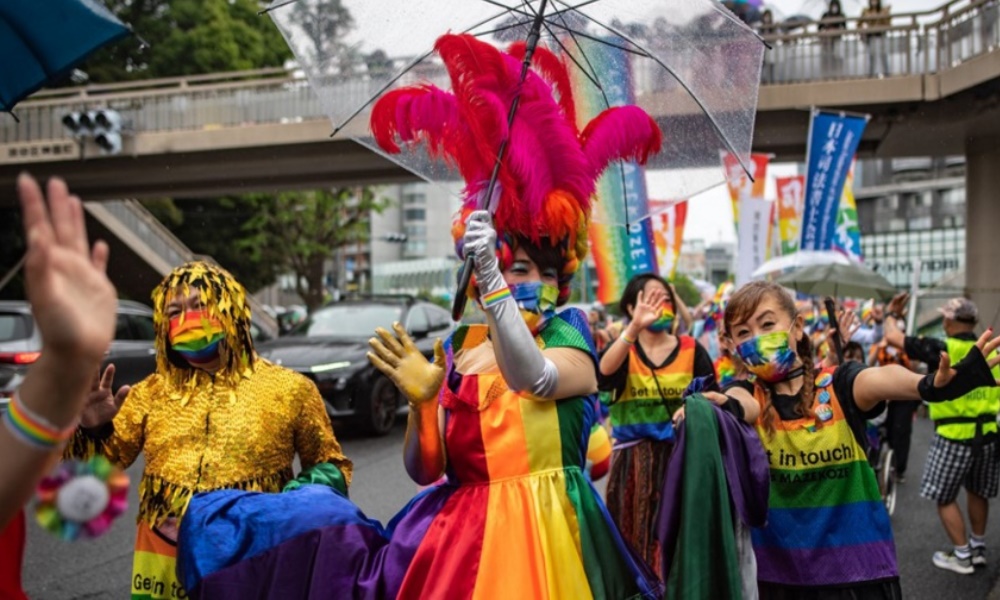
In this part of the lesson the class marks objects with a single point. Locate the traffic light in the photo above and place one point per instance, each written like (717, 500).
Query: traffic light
(394, 237)
(103, 125)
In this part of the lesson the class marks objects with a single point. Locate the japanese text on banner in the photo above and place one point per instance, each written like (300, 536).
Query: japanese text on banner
(833, 140)
(752, 238)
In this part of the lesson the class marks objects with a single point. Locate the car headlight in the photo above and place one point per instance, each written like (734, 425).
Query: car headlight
(326, 367)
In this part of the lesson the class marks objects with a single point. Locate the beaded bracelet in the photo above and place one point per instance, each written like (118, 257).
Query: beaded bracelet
(33, 429)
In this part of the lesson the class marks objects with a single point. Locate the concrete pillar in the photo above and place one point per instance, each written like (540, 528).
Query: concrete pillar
(982, 242)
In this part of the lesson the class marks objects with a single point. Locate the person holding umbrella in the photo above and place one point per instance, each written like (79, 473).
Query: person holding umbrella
(964, 450)
(827, 529)
(505, 409)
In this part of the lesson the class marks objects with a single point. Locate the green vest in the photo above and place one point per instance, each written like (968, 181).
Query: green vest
(975, 413)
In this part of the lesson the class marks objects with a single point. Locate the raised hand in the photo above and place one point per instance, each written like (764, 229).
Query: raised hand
(71, 297)
(399, 359)
(848, 324)
(102, 406)
(898, 304)
(987, 346)
(648, 307)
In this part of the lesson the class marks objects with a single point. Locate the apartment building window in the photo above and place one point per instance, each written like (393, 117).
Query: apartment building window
(413, 197)
(414, 214)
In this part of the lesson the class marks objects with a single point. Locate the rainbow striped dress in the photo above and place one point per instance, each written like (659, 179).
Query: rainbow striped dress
(517, 517)
(826, 524)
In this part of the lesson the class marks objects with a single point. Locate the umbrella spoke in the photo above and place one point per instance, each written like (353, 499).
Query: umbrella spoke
(413, 63)
(708, 114)
(586, 73)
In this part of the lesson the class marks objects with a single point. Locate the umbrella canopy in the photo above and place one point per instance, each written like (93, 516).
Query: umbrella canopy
(42, 40)
(689, 63)
(798, 260)
(839, 281)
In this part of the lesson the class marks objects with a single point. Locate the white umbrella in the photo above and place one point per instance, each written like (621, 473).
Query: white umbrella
(803, 258)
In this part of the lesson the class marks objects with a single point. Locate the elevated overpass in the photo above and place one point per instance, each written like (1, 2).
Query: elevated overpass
(264, 130)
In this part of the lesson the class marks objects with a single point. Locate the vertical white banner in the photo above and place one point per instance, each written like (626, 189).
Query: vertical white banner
(755, 220)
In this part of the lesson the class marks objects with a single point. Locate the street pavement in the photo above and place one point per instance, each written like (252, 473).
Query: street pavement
(100, 568)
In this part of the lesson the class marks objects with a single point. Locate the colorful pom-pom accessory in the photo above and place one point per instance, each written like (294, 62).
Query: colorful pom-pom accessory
(81, 498)
(33, 429)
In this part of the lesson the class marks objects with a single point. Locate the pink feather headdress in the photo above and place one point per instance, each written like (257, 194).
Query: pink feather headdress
(550, 168)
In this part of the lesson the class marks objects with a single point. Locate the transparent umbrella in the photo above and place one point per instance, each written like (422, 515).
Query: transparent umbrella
(689, 63)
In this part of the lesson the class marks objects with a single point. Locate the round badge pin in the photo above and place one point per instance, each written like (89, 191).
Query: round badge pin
(824, 380)
(824, 397)
(824, 413)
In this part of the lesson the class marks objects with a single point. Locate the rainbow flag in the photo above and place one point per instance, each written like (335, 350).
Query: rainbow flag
(739, 184)
(619, 252)
(848, 238)
(791, 198)
(668, 233)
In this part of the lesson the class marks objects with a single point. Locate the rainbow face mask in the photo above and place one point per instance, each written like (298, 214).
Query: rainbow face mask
(665, 321)
(768, 356)
(196, 337)
(536, 301)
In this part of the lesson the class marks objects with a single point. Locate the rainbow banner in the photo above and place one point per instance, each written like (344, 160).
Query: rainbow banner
(619, 252)
(668, 233)
(791, 195)
(739, 184)
(848, 237)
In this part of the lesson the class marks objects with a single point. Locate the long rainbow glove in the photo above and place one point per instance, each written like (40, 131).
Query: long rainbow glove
(524, 367)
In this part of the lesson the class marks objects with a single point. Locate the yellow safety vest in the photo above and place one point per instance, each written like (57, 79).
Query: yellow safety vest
(974, 414)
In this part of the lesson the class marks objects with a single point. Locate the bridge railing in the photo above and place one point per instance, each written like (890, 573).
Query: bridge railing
(911, 44)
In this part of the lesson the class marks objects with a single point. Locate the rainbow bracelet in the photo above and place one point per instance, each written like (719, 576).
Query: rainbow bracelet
(624, 337)
(496, 297)
(33, 429)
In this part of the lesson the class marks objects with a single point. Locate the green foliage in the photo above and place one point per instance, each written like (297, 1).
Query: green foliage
(687, 290)
(189, 37)
(300, 231)
(215, 227)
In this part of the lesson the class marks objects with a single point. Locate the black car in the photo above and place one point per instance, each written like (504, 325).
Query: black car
(131, 351)
(330, 348)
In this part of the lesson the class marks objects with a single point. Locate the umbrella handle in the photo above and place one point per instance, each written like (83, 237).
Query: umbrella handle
(461, 293)
(831, 314)
(465, 276)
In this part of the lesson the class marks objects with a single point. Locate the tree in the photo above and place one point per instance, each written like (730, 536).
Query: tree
(300, 232)
(325, 24)
(687, 290)
(188, 37)
(216, 227)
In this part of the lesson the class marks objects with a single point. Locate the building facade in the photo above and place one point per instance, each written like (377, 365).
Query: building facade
(911, 213)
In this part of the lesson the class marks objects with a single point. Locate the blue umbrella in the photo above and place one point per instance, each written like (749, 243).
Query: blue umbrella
(42, 40)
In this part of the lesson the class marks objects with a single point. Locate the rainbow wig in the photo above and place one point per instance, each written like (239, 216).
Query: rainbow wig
(550, 167)
(223, 298)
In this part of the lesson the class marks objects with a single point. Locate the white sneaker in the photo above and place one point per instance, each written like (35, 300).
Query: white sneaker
(979, 556)
(950, 562)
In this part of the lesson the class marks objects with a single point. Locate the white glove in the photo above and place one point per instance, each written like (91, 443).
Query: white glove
(481, 244)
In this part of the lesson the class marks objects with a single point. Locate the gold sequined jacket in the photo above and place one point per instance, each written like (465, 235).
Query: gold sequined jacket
(216, 439)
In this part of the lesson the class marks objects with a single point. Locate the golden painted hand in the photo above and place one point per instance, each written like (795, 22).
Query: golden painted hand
(399, 359)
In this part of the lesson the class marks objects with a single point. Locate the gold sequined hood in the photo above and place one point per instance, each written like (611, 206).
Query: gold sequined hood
(225, 299)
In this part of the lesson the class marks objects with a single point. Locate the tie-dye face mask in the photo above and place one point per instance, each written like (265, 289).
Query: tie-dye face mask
(196, 336)
(768, 356)
(665, 321)
(536, 301)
